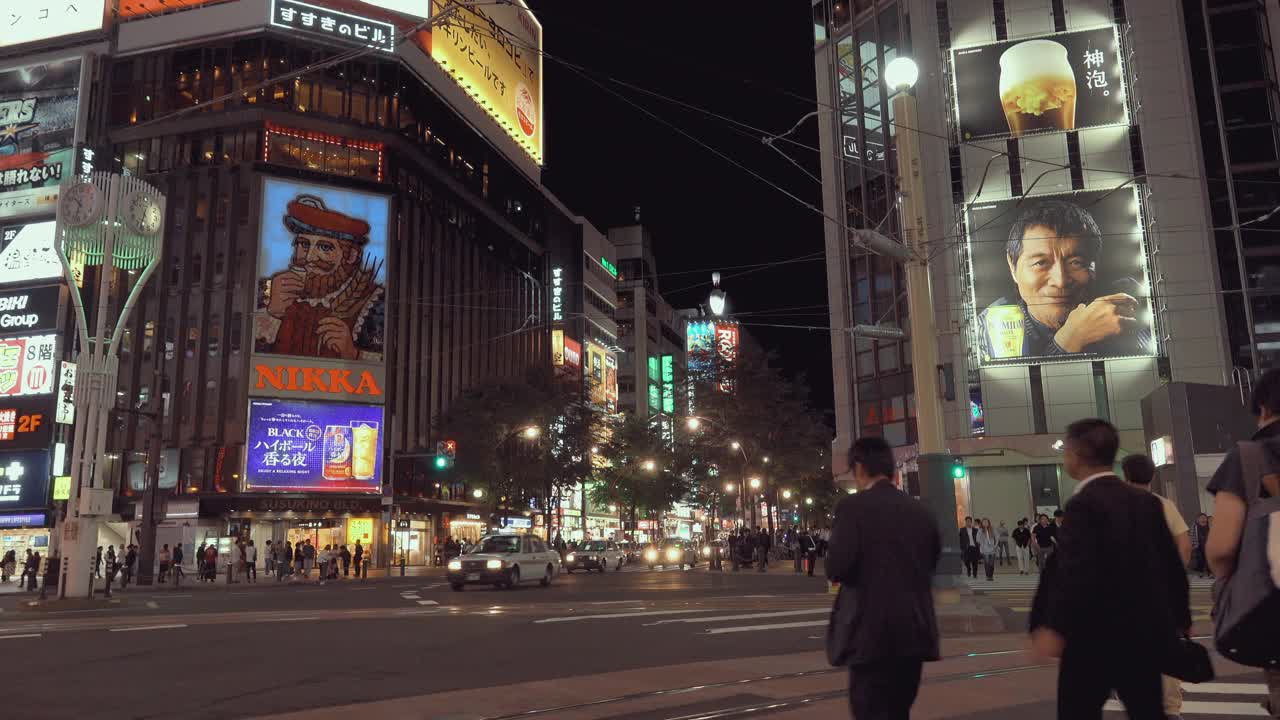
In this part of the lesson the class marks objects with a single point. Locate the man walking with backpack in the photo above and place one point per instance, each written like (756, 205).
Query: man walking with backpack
(1246, 491)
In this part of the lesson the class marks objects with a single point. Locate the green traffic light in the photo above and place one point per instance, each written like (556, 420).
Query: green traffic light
(442, 462)
(957, 471)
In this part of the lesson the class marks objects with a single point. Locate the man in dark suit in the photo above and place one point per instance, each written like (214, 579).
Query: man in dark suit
(1110, 616)
(969, 547)
(884, 548)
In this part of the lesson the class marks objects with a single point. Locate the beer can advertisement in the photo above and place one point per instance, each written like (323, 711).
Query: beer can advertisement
(299, 446)
(1054, 83)
(1060, 278)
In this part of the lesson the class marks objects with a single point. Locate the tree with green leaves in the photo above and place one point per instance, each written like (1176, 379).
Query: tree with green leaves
(637, 471)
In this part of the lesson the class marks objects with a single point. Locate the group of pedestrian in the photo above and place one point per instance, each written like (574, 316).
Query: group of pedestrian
(1113, 600)
(980, 543)
(30, 569)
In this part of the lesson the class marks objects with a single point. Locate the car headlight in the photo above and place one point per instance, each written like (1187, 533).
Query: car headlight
(651, 554)
(706, 552)
(569, 557)
(455, 564)
(591, 557)
(494, 564)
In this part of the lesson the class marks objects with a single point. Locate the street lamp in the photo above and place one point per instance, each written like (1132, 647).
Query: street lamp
(735, 445)
(717, 299)
(808, 501)
(649, 465)
(901, 73)
(477, 493)
(595, 449)
(765, 458)
(531, 433)
(728, 487)
(755, 483)
(693, 423)
(786, 494)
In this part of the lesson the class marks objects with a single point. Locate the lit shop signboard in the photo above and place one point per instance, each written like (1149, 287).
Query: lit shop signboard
(557, 347)
(609, 267)
(495, 53)
(22, 520)
(1054, 83)
(726, 343)
(668, 384)
(1036, 261)
(302, 446)
(24, 479)
(31, 310)
(276, 376)
(27, 252)
(332, 24)
(25, 423)
(25, 22)
(39, 105)
(572, 353)
(28, 365)
(557, 294)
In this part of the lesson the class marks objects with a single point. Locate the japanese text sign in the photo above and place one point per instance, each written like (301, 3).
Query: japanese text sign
(27, 365)
(324, 22)
(24, 479)
(299, 446)
(1055, 83)
(27, 21)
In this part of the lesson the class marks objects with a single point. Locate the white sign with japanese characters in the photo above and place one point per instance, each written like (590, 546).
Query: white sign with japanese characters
(333, 24)
(24, 21)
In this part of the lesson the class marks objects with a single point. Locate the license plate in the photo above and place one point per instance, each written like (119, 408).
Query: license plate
(473, 577)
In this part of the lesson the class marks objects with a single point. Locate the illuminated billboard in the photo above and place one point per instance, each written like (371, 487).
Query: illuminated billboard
(27, 252)
(1060, 278)
(321, 272)
(27, 365)
(304, 446)
(24, 479)
(593, 373)
(1055, 83)
(495, 53)
(557, 347)
(327, 23)
(39, 105)
(25, 22)
(726, 348)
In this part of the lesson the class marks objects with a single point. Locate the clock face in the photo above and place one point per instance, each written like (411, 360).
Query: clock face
(142, 214)
(80, 204)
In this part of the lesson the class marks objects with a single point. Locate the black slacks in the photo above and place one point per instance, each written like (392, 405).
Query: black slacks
(1086, 679)
(971, 556)
(884, 690)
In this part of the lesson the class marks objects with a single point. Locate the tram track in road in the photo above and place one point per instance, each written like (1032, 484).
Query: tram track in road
(762, 706)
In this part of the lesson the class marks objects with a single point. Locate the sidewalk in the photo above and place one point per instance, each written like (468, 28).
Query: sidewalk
(190, 583)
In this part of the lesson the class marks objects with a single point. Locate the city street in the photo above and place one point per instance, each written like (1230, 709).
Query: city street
(631, 644)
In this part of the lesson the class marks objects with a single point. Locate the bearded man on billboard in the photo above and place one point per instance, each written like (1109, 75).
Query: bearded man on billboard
(328, 303)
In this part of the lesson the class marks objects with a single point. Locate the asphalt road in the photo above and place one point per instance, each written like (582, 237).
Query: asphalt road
(634, 645)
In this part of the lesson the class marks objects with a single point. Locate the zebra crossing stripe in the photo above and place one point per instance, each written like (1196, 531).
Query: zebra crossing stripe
(1192, 709)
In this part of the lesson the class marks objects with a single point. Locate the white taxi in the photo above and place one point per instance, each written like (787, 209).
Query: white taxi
(504, 561)
(599, 555)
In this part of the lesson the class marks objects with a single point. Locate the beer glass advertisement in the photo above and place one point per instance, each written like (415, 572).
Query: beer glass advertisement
(300, 446)
(321, 272)
(1056, 83)
(38, 109)
(1060, 278)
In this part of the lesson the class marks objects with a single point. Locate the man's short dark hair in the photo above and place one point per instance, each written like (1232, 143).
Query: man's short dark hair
(874, 455)
(1138, 469)
(1059, 513)
(1266, 394)
(967, 518)
(1064, 219)
(1095, 441)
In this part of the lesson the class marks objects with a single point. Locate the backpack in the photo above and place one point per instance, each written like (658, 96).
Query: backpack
(1246, 609)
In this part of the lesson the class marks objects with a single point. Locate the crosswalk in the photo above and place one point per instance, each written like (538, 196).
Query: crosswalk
(1217, 701)
(707, 622)
(1029, 582)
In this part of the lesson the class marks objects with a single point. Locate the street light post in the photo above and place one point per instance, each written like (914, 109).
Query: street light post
(936, 485)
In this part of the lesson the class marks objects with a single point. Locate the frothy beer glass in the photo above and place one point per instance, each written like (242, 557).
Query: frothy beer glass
(1037, 87)
(364, 450)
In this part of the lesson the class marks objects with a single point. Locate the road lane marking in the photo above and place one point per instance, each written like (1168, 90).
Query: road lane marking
(363, 588)
(147, 627)
(756, 628)
(293, 619)
(433, 587)
(1196, 707)
(428, 602)
(752, 616)
(615, 602)
(573, 618)
(403, 586)
(1229, 688)
(15, 637)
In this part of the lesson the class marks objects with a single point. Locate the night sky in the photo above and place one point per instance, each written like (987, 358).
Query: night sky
(605, 156)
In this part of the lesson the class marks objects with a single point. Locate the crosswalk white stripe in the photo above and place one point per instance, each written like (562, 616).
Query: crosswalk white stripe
(605, 616)
(756, 628)
(752, 616)
(1191, 708)
(1226, 688)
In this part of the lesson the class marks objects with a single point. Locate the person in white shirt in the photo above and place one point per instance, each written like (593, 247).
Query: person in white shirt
(323, 559)
(250, 563)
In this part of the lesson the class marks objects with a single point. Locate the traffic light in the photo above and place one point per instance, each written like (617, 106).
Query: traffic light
(957, 469)
(451, 449)
(442, 462)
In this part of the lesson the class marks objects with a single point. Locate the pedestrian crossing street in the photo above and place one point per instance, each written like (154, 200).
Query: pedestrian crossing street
(1216, 700)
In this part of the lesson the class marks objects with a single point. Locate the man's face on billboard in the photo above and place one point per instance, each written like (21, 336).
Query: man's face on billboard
(317, 255)
(1052, 273)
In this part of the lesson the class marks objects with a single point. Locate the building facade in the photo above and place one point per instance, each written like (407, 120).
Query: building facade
(349, 245)
(1080, 184)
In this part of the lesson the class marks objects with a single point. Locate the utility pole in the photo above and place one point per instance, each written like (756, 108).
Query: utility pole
(937, 488)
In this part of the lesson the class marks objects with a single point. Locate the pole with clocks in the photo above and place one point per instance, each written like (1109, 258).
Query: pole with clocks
(112, 223)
